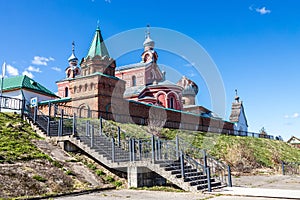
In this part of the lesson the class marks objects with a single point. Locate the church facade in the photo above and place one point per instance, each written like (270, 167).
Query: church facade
(97, 84)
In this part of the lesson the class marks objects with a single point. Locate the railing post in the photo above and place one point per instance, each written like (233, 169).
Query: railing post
(282, 167)
(130, 149)
(182, 164)
(133, 149)
(87, 128)
(92, 136)
(140, 149)
(205, 158)
(48, 126)
(159, 149)
(74, 124)
(119, 136)
(34, 114)
(49, 109)
(229, 177)
(62, 123)
(208, 179)
(113, 149)
(22, 109)
(177, 146)
(100, 126)
(153, 148)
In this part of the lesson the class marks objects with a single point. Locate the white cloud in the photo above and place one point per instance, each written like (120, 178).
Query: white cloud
(39, 60)
(27, 73)
(56, 69)
(293, 116)
(34, 69)
(108, 1)
(263, 10)
(12, 71)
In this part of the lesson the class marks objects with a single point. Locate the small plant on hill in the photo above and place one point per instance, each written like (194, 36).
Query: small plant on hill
(39, 178)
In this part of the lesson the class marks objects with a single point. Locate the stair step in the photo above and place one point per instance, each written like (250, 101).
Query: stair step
(200, 182)
(191, 174)
(177, 167)
(185, 171)
(205, 186)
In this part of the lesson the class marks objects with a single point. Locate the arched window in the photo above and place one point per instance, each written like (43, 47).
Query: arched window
(133, 81)
(172, 103)
(66, 92)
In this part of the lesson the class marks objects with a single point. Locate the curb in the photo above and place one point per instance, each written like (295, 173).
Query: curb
(76, 193)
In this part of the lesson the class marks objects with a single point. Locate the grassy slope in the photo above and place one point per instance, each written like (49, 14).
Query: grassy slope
(242, 153)
(15, 140)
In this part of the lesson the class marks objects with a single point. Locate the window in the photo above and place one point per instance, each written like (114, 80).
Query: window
(171, 103)
(133, 81)
(66, 92)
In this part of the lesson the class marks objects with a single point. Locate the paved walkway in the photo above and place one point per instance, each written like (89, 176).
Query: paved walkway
(259, 192)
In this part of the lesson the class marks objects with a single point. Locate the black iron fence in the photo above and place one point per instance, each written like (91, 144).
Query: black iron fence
(290, 168)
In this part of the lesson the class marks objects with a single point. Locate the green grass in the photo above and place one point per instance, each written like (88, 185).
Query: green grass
(39, 178)
(15, 140)
(236, 151)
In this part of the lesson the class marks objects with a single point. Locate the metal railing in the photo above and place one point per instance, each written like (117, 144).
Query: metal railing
(290, 168)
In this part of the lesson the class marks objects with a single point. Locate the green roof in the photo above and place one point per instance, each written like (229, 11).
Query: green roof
(24, 82)
(62, 100)
(97, 47)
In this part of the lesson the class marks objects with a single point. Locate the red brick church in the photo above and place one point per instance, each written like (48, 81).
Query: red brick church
(98, 84)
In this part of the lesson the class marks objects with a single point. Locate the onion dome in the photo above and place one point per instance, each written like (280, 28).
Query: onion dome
(189, 90)
(148, 41)
(189, 87)
(73, 58)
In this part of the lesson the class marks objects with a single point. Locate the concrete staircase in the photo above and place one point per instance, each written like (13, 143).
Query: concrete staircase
(161, 157)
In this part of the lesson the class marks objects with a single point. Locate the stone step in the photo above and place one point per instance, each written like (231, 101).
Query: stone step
(177, 167)
(200, 182)
(185, 171)
(205, 186)
(191, 174)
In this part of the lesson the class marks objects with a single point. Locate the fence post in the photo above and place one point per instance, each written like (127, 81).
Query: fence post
(87, 128)
(48, 126)
(74, 124)
(22, 109)
(34, 114)
(130, 149)
(62, 122)
(282, 167)
(100, 126)
(208, 179)
(153, 148)
(113, 149)
(229, 177)
(159, 149)
(182, 164)
(205, 158)
(92, 136)
(133, 149)
(140, 149)
(119, 136)
(177, 146)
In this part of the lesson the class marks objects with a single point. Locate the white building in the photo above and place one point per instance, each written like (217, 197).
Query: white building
(23, 88)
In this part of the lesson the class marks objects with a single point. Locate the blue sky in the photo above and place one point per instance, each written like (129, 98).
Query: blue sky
(254, 44)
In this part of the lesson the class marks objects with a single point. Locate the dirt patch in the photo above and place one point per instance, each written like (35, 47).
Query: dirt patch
(33, 178)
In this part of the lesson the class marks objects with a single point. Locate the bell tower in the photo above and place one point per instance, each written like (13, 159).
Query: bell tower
(149, 54)
(98, 59)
